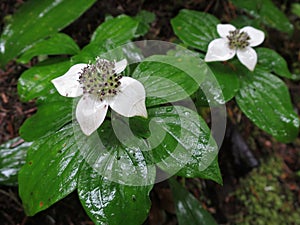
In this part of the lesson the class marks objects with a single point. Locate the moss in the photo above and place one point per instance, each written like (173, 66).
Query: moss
(265, 199)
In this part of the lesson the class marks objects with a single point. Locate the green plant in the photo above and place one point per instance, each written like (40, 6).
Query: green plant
(114, 165)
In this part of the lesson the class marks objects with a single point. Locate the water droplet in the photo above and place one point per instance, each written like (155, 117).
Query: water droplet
(187, 113)
(133, 198)
(169, 109)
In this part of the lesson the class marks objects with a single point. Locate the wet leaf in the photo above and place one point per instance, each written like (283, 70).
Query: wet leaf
(12, 157)
(36, 20)
(212, 172)
(109, 35)
(175, 137)
(188, 63)
(180, 141)
(271, 61)
(36, 81)
(89, 53)
(50, 172)
(118, 30)
(171, 138)
(145, 18)
(107, 202)
(169, 78)
(188, 208)
(226, 81)
(57, 44)
(116, 153)
(265, 99)
(54, 111)
(267, 13)
(195, 29)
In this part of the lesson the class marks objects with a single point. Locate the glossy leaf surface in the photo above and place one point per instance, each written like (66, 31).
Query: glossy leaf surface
(54, 111)
(212, 172)
(265, 99)
(188, 208)
(177, 137)
(107, 202)
(195, 29)
(266, 12)
(109, 35)
(36, 81)
(12, 157)
(118, 30)
(36, 20)
(170, 78)
(57, 44)
(226, 78)
(181, 141)
(271, 61)
(50, 172)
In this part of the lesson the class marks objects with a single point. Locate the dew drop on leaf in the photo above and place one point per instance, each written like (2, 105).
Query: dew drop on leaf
(133, 198)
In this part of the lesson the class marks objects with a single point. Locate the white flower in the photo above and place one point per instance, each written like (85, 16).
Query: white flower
(234, 41)
(101, 85)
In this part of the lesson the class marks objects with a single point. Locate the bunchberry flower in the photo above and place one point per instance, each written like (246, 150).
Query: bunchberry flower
(101, 85)
(235, 41)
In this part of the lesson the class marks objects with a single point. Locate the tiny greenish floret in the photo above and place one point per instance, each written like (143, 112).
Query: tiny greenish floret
(238, 39)
(100, 79)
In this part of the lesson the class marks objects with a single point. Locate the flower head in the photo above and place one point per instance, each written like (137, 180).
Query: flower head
(101, 85)
(235, 41)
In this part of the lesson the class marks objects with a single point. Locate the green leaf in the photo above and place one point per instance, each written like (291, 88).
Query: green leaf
(181, 140)
(267, 13)
(169, 78)
(54, 111)
(116, 148)
(190, 64)
(145, 18)
(271, 61)
(212, 172)
(109, 35)
(115, 181)
(50, 172)
(57, 44)
(296, 9)
(36, 20)
(227, 79)
(196, 29)
(36, 81)
(172, 137)
(265, 99)
(176, 136)
(118, 30)
(89, 53)
(191, 140)
(188, 208)
(12, 157)
(107, 202)
(244, 20)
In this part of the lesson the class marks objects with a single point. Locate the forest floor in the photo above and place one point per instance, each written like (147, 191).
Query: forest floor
(241, 198)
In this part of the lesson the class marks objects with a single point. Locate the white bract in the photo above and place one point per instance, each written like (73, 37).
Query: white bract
(101, 85)
(235, 41)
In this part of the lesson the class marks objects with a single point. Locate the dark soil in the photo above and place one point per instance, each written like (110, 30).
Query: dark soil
(215, 198)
